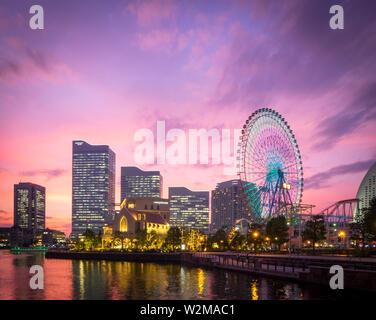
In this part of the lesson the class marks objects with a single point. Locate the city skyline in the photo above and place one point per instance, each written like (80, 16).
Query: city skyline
(193, 66)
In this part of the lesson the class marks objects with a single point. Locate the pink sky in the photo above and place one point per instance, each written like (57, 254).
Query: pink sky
(99, 72)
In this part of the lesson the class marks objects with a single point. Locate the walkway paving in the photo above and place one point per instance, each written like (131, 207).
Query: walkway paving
(296, 256)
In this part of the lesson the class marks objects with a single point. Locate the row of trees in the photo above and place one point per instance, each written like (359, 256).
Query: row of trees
(276, 232)
(192, 239)
(273, 235)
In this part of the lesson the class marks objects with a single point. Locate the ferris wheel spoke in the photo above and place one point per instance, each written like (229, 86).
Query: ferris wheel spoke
(257, 179)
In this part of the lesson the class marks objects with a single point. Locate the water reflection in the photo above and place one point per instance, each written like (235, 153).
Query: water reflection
(83, 279)
(254, 290)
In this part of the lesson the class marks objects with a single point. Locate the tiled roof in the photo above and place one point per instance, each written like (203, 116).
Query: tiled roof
(150, 217)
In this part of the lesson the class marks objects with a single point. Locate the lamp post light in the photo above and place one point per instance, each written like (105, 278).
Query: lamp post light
(201, 242)
(267, 240)
(342, 234)
(255, 235)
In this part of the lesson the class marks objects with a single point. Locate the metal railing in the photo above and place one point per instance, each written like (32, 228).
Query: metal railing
(280, 264)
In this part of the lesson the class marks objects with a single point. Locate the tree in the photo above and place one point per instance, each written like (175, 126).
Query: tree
(173, 238)
(363, 229)
(191, 238)
(91, 239)
(358, 232)
(220, 238)
(314, 230)
(153, 240)
(142, 238)
(121, 236)
(369, 216)
(277, 230)
(255, 235)
(235, 239)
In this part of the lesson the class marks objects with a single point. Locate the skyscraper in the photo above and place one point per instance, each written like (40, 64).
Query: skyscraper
(29, 207)
(189, 208)
(367, 188)
(93, 186)
(136, 183)
(227, 205)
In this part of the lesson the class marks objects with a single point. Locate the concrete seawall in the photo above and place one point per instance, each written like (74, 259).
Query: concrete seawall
(116, 256)
(305, 270)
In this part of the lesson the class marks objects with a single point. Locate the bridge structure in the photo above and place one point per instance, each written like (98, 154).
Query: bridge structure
(342, 212)
(337, 217)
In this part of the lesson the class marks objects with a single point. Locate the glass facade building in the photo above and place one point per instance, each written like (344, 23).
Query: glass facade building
(227, 205)
(30, 207)
(367, 188)
(136, 183)
(189, 208)
(93, 187)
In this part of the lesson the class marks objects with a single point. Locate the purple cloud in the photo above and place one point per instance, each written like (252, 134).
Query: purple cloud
(55, 173)
(362, 109)
(23, 61)
(298, 56)
(320, 180)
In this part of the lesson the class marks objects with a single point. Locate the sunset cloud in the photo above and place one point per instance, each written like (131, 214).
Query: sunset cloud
(54, 173)
(322, 179)
(151, 12)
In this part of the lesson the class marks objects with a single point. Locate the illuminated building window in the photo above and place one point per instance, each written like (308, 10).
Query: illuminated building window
(123, 225)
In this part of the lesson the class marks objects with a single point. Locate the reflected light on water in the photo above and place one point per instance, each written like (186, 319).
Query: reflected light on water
(201, 281)
(84, 279)
(254, 290)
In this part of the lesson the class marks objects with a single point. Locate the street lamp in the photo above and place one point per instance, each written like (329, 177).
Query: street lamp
(201, 240)
(342, 234)
(255, 235)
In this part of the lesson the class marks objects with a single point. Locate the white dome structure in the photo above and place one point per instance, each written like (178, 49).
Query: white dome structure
(367, 189)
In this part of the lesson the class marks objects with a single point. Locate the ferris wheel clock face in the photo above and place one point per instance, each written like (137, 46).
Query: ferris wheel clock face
(270, 165)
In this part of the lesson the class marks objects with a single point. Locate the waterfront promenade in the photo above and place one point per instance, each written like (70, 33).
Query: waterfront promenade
(359, 273)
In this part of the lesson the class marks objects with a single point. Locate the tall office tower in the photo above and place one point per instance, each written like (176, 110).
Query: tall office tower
(189, 208)
(367, 188)
(136, 183)
(30, 207)
(227, 205)
(93, 187)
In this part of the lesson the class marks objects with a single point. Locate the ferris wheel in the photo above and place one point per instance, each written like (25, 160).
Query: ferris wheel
(269, 165)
